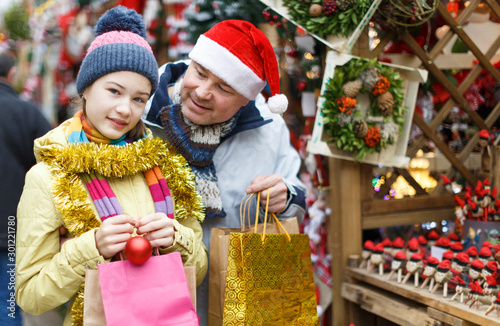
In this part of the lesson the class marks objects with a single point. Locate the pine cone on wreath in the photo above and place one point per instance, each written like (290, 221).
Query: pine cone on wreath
(360, 129)
(385, 102)
(369, 78)
(352, 88)
(345, 4)
(329, 7)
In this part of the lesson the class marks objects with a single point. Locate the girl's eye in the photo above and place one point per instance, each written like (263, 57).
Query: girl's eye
(139, 100)
(113, 91)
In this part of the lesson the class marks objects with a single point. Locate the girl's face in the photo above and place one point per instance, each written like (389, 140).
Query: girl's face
(115, 102)
(207, 99)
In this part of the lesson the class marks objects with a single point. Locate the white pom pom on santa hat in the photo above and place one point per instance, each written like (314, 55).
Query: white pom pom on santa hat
(241, 55)
(277, 103)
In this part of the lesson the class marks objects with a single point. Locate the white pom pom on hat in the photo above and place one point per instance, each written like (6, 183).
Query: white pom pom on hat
(241, 55)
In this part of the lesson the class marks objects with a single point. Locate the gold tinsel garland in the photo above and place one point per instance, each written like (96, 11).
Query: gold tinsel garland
(70, 198)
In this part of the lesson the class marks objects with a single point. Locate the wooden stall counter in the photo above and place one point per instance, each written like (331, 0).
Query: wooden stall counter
(405, 304)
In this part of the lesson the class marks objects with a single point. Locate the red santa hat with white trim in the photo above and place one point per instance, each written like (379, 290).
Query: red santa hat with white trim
(241, 55)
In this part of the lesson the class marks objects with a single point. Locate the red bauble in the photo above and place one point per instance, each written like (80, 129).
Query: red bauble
(301, 86)
(138, 250)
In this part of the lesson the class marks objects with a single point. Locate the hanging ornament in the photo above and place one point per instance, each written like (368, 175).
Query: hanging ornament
(138, 250)
(301, 85)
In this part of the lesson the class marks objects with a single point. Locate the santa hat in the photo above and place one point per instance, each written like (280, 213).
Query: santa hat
(413, 244)
(462, 259)
(453, 237)
(446, 181)
(485, 253)
(459, 201)
(484, 134)
(496, 248)
(477, 265)
(400, 255)
(443, 243)
(432, 261)
(241, 55)
(422, 240)
(472, 251)
(487, 244)
(492, 283)
(491, 267)
(444, 266)
(433, 235)
(459, 280)
(448, 255)
(416, 257)
(398, 243)
(457, 247)
(379, 249)
(369, 245)
(387, 243)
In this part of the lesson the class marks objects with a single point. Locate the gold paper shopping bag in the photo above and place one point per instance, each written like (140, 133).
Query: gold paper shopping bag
(269, 279)
(219, 248)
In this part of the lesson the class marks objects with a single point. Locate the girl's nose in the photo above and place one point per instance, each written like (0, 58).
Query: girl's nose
(124, 108)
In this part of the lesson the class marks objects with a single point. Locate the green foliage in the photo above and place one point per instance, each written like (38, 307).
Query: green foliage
(343, 136)
(16, 22)
(204, 14)
(341, 23)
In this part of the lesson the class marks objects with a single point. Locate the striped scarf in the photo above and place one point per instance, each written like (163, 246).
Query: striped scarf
(197, 143)
(102, 195)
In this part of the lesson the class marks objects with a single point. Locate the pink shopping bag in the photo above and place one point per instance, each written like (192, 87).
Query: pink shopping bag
(154, 293)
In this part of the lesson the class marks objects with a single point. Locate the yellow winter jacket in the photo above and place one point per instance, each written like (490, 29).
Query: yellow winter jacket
(47, 275)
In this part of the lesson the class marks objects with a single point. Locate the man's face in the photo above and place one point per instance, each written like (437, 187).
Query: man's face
(207, 99)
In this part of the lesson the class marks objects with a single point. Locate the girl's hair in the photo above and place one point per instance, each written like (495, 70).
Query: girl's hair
(78, 103)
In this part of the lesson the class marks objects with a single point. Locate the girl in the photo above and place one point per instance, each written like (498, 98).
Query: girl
(102, 177)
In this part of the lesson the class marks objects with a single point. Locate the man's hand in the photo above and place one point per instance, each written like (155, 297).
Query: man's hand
(157, 228)
(277, 191)
(113, 234)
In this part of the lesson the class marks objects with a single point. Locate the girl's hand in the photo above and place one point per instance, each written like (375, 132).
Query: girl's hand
(278, 191)
(113, 234)
(157, 228)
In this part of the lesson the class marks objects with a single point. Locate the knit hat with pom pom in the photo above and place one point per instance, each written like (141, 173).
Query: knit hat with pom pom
(241, 55)
(120, 45)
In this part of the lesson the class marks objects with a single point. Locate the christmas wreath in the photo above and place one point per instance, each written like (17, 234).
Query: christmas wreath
(367, 131)
(328, 17)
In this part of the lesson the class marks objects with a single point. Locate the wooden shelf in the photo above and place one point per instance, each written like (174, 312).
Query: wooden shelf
(403, 302)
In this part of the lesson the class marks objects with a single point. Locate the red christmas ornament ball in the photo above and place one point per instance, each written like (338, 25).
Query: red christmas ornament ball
(138, 250)
(301, 86)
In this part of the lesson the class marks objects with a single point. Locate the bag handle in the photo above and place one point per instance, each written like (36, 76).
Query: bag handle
(244, 207)
(280, 226)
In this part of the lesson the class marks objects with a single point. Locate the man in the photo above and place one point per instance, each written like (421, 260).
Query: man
(21, 123)
(210, 110)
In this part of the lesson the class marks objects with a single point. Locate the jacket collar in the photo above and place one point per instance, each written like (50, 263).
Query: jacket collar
(7, 88)
(250, 117)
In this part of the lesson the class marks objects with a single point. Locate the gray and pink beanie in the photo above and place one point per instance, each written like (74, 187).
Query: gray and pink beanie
(120, 45)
